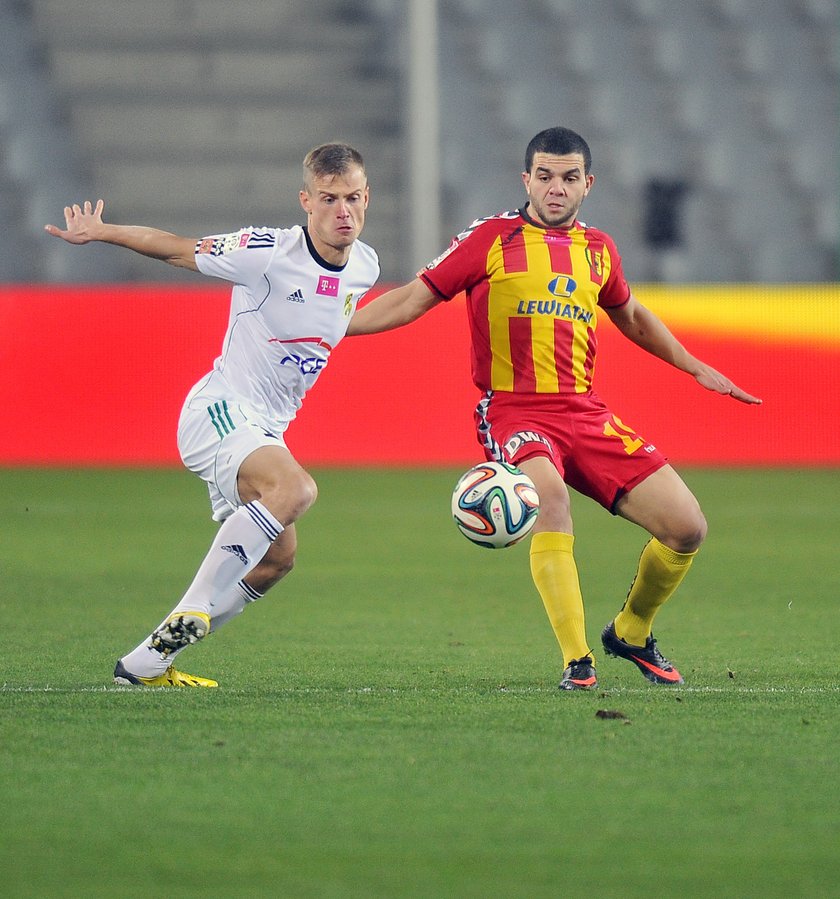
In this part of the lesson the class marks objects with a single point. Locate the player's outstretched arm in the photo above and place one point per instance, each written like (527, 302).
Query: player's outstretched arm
(393, 309)
(637, 323)
(711, 379)
(84, 225)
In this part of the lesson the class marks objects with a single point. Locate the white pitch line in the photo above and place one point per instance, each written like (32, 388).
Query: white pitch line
(607, 692)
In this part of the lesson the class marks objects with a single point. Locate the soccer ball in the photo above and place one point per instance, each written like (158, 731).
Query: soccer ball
(495, 505)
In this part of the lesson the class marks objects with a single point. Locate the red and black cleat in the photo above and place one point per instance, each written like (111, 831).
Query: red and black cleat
(648, 659)
(579, 675)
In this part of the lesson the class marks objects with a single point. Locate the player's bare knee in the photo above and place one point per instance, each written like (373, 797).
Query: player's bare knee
(291, 497)
(688, 534)
(702, 530)
(304, 494)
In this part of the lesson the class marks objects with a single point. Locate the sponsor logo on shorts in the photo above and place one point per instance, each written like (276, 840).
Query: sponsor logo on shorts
(519, 439)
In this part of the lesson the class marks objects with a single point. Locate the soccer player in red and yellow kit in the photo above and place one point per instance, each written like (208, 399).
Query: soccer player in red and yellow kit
(536, 281)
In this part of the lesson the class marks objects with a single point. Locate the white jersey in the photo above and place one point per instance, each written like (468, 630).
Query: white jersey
(289, 308)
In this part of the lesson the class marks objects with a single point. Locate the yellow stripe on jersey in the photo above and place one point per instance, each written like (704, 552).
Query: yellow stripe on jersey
(582, 274)
(541, 294)
(500, 301)
(542, 327)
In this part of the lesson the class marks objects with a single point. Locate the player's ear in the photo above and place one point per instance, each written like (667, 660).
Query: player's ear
(526, 179)
(590, 180)
(305, 201)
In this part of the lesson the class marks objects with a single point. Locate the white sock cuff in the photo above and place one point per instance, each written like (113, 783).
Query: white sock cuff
(249, 594)
(264, 520)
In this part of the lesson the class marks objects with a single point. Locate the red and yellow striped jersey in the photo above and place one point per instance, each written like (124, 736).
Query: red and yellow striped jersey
(532, 297)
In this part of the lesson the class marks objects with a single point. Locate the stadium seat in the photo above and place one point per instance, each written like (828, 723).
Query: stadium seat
(201, 111)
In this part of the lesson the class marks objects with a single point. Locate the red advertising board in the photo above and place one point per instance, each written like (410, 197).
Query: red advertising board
(96, 376)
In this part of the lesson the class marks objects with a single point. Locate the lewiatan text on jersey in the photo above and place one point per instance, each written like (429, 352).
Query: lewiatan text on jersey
(555, 308)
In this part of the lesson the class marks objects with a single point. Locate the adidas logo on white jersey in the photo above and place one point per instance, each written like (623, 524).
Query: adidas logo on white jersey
(296, 296)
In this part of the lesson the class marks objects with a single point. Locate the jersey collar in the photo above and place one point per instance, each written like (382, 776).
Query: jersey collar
(317, 256)
(523, 211)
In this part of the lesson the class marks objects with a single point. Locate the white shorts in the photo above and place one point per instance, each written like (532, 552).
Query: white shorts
(215, 436)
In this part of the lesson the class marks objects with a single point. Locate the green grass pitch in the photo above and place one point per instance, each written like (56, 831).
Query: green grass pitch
(388, 723)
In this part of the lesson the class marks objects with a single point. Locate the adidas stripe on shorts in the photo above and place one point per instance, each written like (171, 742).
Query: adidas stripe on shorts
(215, 436)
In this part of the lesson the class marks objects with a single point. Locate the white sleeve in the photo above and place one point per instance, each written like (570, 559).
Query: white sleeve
(241, 257)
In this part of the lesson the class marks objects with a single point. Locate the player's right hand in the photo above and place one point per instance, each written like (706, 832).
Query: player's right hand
(84, 223)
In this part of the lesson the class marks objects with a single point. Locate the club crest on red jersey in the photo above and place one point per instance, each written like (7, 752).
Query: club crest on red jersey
(596, 262)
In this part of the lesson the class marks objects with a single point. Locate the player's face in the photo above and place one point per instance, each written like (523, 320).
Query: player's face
(335, 209)
(556, 186)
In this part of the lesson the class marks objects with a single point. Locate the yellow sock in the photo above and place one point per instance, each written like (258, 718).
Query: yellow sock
(555, 576)
(660, 572)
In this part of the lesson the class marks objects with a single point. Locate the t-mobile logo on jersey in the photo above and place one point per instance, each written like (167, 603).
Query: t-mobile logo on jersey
(327, 286)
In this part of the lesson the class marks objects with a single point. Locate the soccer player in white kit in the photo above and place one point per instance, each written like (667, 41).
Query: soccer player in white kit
(295, 290)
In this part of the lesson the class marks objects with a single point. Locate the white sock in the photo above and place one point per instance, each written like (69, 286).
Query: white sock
(241, 541)
(230, 605)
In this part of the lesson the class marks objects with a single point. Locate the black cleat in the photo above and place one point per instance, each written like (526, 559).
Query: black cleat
(648, 659)
(579, 675)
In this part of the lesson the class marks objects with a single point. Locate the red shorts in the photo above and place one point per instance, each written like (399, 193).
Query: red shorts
(595, 452)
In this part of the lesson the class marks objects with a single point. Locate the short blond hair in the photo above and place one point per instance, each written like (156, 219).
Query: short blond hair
(329, 160)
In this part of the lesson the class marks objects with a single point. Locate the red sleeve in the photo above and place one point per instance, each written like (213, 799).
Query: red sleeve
(464, 263)
(615, 290)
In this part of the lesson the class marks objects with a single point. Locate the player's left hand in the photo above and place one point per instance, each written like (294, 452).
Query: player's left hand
(713, 380)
